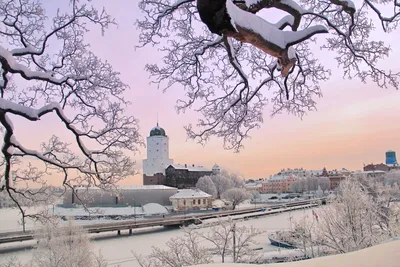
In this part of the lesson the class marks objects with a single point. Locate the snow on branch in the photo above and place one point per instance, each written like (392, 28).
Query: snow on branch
(83, 92)
(287, 20)
(232, 61)
(10, 65)
(265, 36)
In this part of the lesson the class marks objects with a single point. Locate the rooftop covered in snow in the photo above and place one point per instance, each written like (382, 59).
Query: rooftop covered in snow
(190, 193)
(192, 168)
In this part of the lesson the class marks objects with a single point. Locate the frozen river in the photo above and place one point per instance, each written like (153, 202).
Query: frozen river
(118, 250)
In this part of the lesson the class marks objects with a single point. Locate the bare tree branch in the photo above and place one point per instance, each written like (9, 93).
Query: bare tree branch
(260, 62)
(62, 77)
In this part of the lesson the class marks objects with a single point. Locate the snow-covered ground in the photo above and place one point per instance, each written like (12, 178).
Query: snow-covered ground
(118, 250)
(10, 220)
(382, 255)
(98, 211)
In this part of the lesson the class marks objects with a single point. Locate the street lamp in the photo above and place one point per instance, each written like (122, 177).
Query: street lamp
(134, 210)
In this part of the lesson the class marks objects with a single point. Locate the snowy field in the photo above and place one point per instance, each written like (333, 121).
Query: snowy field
(118, 250)
(10, 220)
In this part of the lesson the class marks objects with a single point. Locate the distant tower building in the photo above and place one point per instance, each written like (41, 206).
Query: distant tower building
(216, 169)
(324, 172)
(157, 156)
(391, 158)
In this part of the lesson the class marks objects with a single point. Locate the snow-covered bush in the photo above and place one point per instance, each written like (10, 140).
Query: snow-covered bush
(255, 195)
(207, 185)
(236, 196)
(310, 183)
(361, 215)
(198, 246)
(392, 178)
(236, 179)
(180, 251)
(64, 246)
(306, 237)
(348, 223)
(222, 184)
(217, 184)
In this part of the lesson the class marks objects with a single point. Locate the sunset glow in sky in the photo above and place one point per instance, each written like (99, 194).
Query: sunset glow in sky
(355, 122)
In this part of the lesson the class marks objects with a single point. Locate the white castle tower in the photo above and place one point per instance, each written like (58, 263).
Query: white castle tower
(157, 152)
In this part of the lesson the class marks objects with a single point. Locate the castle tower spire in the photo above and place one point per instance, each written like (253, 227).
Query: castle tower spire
(157, 153)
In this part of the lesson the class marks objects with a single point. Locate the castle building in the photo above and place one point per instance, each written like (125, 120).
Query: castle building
(157, 157)
(185, 176)
(159, 169)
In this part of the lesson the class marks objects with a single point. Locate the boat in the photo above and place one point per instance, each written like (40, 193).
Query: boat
(279, 239)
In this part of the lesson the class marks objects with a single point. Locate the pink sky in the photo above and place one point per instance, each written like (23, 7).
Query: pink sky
(355, 123)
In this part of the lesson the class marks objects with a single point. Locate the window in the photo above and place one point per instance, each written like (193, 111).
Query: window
(204, 201)
(194, 201)
(199, 201)
(184, 202)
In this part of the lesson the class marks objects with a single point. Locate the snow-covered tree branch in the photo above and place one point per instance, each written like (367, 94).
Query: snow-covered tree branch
(199, 246)
(48, 70)
(64, 246)
(181, 251)
(232, 61)
(360, 216)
